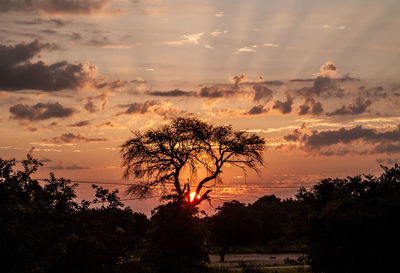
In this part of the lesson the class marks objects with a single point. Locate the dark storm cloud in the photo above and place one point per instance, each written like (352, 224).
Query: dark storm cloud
(137, 108)
(359, 107)
(18, 73)
(74, 138)
(40, 111)
(172, 93)
(82, 123)
(284, 107)
(257, 110)
(310, 107)
(54, 6)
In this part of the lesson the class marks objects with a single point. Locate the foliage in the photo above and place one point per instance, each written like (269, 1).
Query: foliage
(232, 225)
(176, 240)
(161, 155)
(42, 228)
(353, 225)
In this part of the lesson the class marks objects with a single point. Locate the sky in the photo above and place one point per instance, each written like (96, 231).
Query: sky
(319, 80)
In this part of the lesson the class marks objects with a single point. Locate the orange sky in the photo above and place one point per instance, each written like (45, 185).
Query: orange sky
(317, 79)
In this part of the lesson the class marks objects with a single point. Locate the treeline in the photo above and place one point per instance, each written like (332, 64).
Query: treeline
(343, 225)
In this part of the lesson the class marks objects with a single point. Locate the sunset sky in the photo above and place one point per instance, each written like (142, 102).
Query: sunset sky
(319, 80)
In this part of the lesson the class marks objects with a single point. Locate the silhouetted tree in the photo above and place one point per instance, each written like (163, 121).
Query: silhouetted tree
(353, 223)
(43, 229)
(233, 225)
(161, 155)
(176, 241)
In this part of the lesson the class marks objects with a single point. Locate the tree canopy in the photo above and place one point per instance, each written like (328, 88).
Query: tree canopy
(160, 156)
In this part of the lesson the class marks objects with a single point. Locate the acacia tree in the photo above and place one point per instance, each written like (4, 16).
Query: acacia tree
(164, 155)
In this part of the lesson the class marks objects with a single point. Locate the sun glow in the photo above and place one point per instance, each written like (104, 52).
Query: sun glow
(193, 195)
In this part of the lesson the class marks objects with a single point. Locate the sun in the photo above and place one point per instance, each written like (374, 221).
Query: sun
(192, 196)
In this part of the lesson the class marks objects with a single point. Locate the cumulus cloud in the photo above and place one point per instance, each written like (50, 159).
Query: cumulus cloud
(40, 111)
(328, 69)
(285, 107)
(91, 106)
(322, 87)
(257, 110)
(242, 77)
(261, 92)
(359, 107)
(54, 6)
(66, 138)
(17, 72)
(311, 107)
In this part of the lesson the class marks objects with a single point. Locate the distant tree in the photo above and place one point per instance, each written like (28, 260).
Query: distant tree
(162, 155)
(233, 225)
(353, 223)
(279, 220)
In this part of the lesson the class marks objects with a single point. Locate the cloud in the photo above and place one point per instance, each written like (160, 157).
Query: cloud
(271, 45)
(164, 109)
(80, 123)
(257, 110)
(54, 6)
(284, 107)
(261, 92)
(328, 69)
(188, 39)
(323, 86)
(359, 107)
(74, 138)
(311, 107)
(219, 14)
(111, 85)
(246, 49)
(40, 111)
(171, 93)
(72, 167)
(38, 21)
(343, 141)
(92, 107)
(216, 92)
(388, 161)
(137, 108)
(18, 73)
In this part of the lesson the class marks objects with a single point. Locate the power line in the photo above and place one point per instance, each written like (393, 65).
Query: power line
(260, 185)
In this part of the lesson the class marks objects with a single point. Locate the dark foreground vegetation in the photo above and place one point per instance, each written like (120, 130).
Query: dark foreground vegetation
(343, 225)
